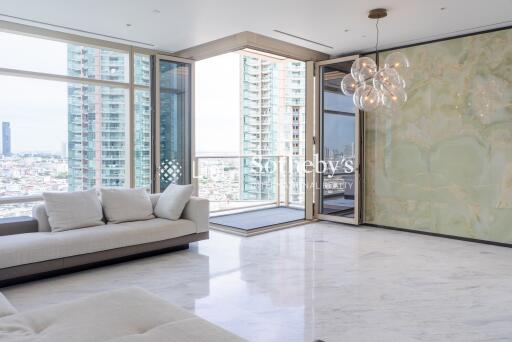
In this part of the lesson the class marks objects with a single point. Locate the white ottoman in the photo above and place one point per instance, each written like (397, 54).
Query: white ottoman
(124, 315)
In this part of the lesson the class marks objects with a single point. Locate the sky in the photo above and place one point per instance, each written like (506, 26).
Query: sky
(217, 102)
(36, 109)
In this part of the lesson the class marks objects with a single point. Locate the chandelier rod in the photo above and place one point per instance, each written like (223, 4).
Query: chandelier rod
(377, 44)
(377, 13)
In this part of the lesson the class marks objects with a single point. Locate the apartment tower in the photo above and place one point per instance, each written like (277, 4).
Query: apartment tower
(6, 138)
(273, 123)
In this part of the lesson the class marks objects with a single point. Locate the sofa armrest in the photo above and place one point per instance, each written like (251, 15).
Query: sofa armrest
(198, 211)
(17, 225)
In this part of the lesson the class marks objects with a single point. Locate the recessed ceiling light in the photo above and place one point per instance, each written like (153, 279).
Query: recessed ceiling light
(156, 11)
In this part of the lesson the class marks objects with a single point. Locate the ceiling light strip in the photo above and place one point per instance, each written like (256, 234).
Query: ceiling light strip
(76, 30)
(304, 39)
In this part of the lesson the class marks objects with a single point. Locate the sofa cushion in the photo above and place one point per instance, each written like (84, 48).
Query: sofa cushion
(71, 210)
(173, 200)
(28, 248)
(123, 234)
(124, 205)
(122, 315)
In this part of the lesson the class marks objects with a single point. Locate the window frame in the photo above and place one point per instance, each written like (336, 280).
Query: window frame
(129, 85)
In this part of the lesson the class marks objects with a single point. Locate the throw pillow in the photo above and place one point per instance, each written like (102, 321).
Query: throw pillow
(123, 205)
(71, 210)
(173, 200)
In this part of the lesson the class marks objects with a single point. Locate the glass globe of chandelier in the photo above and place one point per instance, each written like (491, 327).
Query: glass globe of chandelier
(373, 87)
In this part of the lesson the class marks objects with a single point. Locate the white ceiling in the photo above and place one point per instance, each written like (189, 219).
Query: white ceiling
(175, 25)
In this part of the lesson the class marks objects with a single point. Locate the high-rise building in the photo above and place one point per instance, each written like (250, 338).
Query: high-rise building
(142, 122)
(97, 119)
(64, 150)
(142, 137)
(272, 124)
(6, 138)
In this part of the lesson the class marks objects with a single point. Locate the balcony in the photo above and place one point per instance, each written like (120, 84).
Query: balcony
(248, 193)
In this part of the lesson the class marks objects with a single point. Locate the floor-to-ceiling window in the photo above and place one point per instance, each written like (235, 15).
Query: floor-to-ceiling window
(250, 138)
(66, 114)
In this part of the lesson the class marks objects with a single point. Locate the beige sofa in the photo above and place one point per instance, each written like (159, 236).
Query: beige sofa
(28, 256)
(123, 315)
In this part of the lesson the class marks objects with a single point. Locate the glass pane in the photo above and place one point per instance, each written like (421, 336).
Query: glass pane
(142, 70)
(175, 97)
(142, 138)
(333, 101)
(60, 136)
(338, 144)
(62, 58)
(35, 130)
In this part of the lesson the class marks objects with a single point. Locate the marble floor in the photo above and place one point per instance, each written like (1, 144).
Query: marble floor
(319, 281)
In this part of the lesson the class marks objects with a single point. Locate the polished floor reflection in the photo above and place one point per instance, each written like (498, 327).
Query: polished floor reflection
(319, 281)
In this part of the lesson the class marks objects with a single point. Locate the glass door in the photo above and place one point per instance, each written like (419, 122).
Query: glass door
(173, 121)
(337, 148)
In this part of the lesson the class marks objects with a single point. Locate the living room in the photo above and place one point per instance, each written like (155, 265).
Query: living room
(312, 171)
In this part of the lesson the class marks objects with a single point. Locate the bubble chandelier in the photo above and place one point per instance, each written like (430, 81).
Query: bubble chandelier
(373, 87)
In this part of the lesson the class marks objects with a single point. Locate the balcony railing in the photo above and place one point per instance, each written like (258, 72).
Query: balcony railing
(229, 182)
(237, 182)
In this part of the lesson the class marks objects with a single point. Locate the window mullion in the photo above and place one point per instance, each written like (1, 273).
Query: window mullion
(130, 179)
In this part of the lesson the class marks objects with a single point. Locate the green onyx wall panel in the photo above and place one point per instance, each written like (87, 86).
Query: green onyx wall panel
(443, 162)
